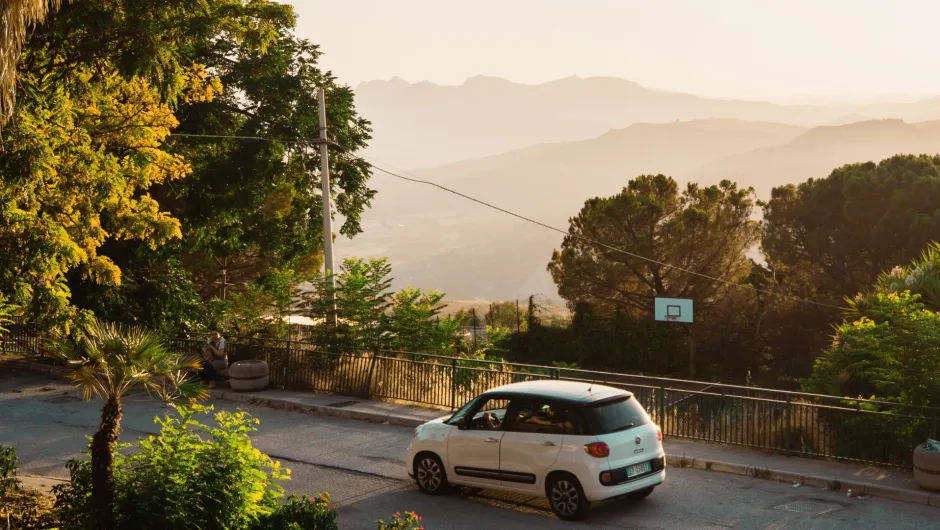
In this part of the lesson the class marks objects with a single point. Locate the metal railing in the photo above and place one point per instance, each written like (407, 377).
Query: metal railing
(791, 423)
(22, 338)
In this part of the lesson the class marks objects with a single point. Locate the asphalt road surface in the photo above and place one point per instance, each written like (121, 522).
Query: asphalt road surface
(361, 465)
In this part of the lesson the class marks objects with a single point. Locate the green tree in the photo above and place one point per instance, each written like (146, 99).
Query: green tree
(830, 238)
(361, 296)
(258, 202)
(111, 361)
(892, 351)
(415, 324)
(703, 230)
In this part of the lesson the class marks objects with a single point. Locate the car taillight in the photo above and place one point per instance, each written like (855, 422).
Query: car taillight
(659, 434)
(597, 449)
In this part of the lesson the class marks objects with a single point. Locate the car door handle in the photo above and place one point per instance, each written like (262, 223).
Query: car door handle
(549, 443)
(491, 440)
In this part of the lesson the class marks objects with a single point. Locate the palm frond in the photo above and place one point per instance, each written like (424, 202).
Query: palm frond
(112, 360)
(16, 17)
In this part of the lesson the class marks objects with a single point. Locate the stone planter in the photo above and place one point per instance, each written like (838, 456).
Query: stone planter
(248, 376)
(927, 468)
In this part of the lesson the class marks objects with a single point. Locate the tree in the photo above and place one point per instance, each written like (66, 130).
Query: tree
(361, 296)
(16, 17)
(892, 352)
(111, 361)
(255, 202)
(258, 202)
(830, 238)
(703, 230)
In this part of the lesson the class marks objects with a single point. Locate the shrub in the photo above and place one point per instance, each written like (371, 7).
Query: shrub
(302, 513)
(8, 465)
(410, 521)
(189, 476)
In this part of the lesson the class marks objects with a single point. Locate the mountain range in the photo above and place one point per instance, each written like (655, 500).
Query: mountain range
(425, 125)
(438, 240)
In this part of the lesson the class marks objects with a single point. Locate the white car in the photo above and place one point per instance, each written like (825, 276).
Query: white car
(576, 443)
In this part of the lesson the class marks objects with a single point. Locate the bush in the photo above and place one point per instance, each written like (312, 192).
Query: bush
(8, 465)
(302, 513)
(19, 509)
(189, 476)
(410, 521)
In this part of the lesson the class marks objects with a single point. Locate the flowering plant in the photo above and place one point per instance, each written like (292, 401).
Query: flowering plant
(408, 521)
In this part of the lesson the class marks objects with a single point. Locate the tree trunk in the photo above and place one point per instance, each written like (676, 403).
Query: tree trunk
(103, 444)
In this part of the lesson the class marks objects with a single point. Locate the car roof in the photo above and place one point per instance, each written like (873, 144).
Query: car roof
(573, 391)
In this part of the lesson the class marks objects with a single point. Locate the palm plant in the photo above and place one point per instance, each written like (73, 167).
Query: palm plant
(110, 362)
(6, 310)
(16, 17)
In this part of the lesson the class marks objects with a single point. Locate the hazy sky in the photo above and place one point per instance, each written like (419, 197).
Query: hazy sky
(732, 48)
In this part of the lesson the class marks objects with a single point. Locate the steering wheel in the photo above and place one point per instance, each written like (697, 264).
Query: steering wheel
(491, 419)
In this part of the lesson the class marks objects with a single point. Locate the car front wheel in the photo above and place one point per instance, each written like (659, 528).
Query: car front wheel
(566, 498)
(430, 474)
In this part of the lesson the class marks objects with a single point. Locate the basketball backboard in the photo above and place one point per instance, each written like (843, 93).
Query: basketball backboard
(673, 310)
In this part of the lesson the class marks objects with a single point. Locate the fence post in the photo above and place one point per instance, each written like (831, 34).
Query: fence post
(786, 430)
(453, 384)
(286, 363)
(662, 407)
(367, 391)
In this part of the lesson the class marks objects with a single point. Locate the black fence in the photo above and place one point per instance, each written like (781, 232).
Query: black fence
(22, 338)
(791, 423)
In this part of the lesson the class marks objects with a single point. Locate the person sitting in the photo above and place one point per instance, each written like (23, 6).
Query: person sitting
(214, 357)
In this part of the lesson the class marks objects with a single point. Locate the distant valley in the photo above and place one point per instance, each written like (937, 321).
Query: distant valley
(438, 240)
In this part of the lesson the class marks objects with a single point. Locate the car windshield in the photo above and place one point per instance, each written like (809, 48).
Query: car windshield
(614, 416)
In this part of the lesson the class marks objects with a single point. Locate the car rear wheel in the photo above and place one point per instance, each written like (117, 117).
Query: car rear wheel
(639, 495)
(430, 474)
(566, 497)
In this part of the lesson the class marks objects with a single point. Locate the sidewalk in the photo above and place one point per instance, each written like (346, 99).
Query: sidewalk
(862, 479)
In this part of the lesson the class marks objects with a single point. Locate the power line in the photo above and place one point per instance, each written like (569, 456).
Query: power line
(592, 241)
(596, 242)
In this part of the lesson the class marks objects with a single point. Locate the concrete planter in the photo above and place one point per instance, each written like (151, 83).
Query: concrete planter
(927, 468)
(248, 376)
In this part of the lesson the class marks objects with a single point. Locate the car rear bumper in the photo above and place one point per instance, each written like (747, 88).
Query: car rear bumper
(597, 492)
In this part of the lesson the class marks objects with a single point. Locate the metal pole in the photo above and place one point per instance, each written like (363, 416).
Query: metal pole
(473, 311)
(327, 209)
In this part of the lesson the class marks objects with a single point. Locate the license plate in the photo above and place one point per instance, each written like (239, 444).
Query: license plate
(638, 469)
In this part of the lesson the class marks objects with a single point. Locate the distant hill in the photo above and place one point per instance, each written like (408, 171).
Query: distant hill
(818, 151)
(424, 124)
(437, 240)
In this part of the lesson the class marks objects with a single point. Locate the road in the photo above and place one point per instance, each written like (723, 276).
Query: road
(361, 465)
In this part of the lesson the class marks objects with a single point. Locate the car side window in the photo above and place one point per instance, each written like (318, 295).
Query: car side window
(543, 417)
(488, 415)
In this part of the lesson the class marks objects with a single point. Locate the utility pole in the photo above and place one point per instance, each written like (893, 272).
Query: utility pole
(327, 210)
(223, 280)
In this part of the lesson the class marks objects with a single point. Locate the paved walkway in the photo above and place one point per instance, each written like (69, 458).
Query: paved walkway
(862, 479)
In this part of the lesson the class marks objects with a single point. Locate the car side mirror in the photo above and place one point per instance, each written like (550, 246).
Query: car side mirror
(463, 424)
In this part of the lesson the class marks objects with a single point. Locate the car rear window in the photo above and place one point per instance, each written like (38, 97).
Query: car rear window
(621, 414)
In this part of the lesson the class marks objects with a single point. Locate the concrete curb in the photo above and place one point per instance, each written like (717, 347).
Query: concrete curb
(859, 489)
(336, 412)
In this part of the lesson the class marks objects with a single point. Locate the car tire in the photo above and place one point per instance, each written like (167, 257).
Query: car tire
(639, 495)
(566, 497)
(430, 474)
